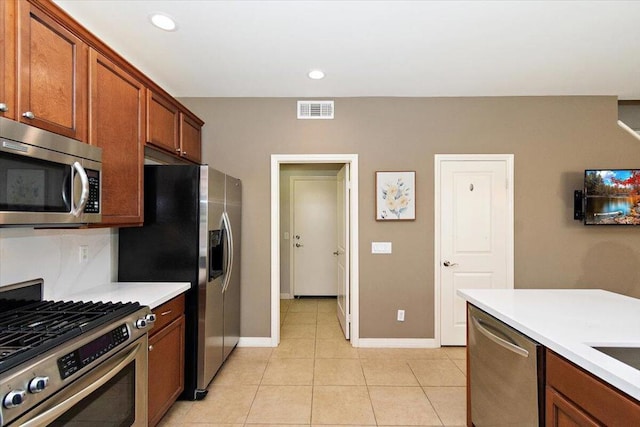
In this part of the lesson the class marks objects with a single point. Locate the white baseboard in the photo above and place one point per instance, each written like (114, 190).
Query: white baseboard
(286, 296)
(255, 342)
(397, 343)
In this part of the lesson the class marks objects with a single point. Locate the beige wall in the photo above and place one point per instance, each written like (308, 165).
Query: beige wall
(553, 139)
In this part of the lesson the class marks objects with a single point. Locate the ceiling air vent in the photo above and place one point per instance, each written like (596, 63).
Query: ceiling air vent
(315, 109)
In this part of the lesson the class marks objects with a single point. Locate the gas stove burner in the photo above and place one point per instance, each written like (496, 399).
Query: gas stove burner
(29, 330)
(7, 351)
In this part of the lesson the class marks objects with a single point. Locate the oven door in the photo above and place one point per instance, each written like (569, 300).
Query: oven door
(114, 393)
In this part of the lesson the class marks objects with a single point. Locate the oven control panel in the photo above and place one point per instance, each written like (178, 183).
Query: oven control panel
(72, 362)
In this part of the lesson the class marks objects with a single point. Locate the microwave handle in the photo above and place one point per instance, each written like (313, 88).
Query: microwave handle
(84, 196)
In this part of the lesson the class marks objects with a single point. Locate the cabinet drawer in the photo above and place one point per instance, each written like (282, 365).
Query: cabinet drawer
(167, 312)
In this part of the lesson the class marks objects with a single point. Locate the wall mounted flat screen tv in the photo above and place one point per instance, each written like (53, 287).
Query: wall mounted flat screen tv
(612, 197)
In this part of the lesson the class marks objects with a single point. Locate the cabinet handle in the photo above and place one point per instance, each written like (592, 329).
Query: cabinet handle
(150, 348)
(184, 153)
(177, 150)
(165, 313)
(3, 107)
(29, 115)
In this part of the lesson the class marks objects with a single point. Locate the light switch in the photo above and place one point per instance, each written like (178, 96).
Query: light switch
(380, 247)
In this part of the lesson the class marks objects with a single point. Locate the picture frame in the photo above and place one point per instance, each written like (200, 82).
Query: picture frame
(395, 195)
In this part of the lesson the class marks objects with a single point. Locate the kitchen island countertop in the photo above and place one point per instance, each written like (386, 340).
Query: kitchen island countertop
(569, 322)
(152, 294)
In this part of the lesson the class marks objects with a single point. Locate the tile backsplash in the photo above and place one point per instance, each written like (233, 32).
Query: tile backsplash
(54, 255)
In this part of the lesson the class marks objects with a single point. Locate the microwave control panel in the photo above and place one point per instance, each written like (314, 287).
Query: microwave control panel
(93, 203)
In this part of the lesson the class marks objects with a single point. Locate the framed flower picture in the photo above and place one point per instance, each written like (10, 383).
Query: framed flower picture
(395, 196)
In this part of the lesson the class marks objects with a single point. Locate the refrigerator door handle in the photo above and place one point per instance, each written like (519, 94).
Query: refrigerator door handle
(229, 235)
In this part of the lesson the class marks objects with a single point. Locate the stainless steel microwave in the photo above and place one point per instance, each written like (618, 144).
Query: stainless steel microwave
(47, 179)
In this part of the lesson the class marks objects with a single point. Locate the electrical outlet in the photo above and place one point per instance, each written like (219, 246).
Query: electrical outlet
(400, 315)
(84, 254)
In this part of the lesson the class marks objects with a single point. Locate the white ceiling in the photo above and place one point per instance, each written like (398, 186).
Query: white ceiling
(376, 48)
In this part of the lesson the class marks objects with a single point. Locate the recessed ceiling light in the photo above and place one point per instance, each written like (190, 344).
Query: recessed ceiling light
(163, 21)
(316, 74)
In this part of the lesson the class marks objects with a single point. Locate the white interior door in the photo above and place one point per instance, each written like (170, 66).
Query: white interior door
(476, 235)
(314, 236)
(342, 252)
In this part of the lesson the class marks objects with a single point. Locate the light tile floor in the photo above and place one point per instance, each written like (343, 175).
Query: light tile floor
(315, 377)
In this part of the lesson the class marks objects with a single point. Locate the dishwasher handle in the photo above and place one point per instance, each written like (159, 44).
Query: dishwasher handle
(480, 326)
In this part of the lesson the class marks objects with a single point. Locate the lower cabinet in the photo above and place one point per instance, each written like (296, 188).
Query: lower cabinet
(575, 397)
(166, 358)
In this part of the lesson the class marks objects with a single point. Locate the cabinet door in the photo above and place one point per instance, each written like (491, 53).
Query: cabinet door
(166, 369)
(190, 139)
(163, 122)
(117, 111)
(7, 59)
(53, 74)
(590, 397)
(561, 412)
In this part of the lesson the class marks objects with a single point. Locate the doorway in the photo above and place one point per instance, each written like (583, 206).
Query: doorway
(312, 242)
(474, 246)
(351, 235)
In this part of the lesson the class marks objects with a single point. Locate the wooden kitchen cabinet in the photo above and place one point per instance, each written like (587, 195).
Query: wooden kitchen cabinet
(7, 60)
(171, 129)
(190, 138)
(163, 123)
(117, 111)
(166, 358)
(52, 64)
(575, 397)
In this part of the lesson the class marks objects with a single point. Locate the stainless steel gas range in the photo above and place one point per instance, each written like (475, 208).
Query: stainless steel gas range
(71, 363)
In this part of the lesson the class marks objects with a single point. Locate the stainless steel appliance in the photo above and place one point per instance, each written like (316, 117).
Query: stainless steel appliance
(47, 179)
(191, 233)
(72, 363)
(506, 374)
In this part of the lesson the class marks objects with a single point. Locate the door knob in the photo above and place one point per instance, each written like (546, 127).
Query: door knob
(336, 253)
(298, 245)
(449, 264)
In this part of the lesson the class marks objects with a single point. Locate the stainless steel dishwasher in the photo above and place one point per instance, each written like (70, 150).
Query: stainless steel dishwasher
(506, 374)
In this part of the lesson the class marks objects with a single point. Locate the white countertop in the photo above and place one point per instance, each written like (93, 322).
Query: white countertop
(152, 294)
(569, 322)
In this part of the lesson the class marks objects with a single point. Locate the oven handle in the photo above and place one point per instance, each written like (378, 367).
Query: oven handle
(63, 402)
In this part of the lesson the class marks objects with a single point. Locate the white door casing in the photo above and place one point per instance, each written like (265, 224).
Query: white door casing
(474, 234)
(342, 250)
(353, 238)
(313, 236)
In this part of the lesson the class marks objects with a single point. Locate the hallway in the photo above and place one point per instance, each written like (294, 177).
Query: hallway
(315, 377)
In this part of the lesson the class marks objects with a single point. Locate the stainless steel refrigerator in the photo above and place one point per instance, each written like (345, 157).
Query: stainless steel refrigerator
(191, 233)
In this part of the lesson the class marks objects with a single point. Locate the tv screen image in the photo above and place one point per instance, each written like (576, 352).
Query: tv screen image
(612, 197)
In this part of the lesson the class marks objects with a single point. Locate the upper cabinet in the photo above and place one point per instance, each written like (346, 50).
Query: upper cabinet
(56, 75)
(190, 138)
(163, 122)
(52, 66)
(7, 59)
(172, 129)
(117, 111)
